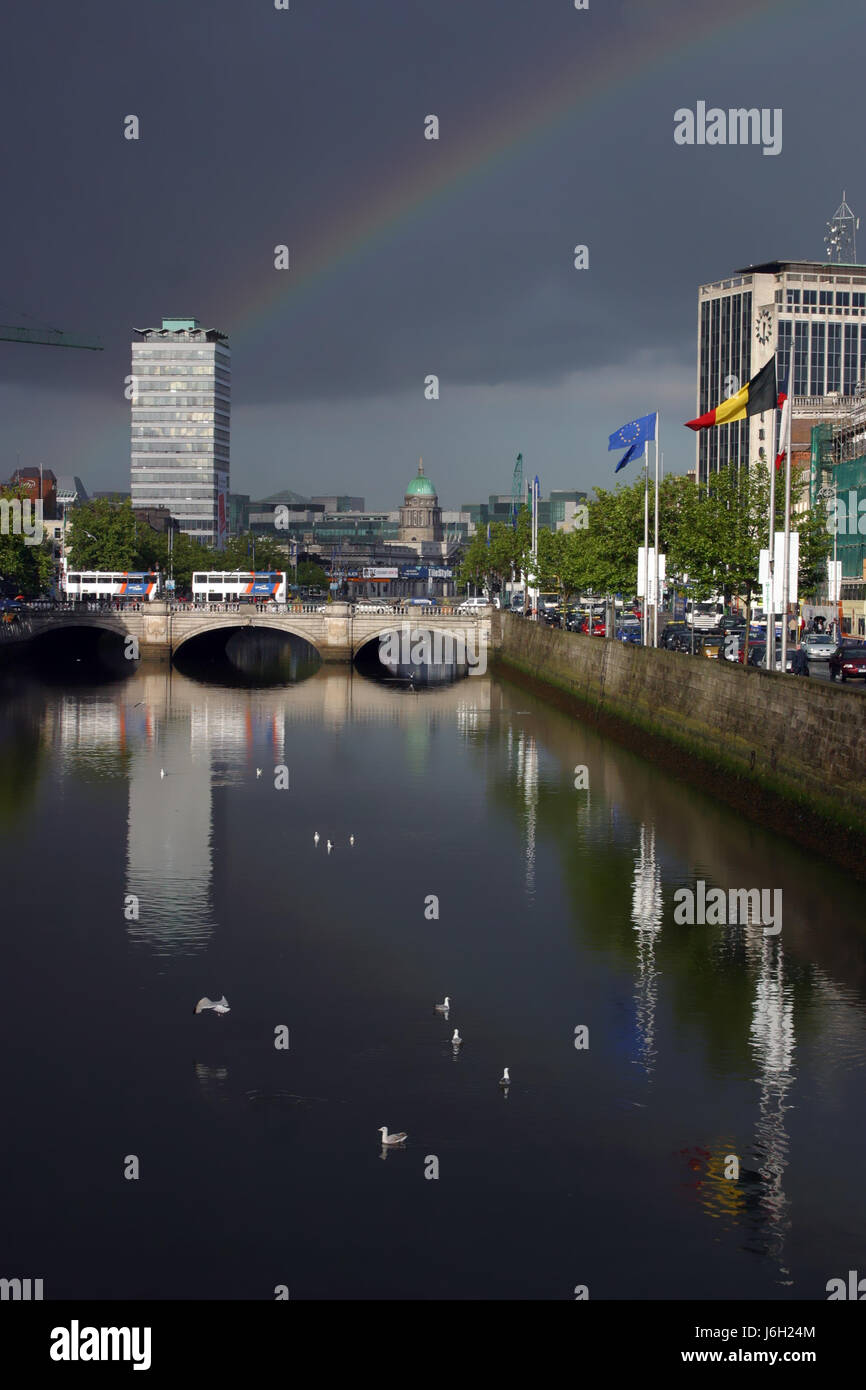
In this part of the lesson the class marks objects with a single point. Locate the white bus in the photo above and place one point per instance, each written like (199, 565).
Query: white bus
(239, 586)
(107, 584)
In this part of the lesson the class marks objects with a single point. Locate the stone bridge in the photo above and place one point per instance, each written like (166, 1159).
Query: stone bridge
(337, 632)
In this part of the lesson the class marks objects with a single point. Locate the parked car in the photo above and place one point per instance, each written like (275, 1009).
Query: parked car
(847, 662)
(473, 605)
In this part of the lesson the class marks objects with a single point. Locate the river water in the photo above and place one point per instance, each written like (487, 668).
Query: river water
(479, 871)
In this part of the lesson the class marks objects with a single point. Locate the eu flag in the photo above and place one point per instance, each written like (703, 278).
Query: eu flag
(632, 438)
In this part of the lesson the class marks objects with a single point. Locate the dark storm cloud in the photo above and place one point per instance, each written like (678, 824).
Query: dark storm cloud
(304, 127)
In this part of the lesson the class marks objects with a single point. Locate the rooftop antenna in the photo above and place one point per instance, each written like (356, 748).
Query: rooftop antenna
(840, 239)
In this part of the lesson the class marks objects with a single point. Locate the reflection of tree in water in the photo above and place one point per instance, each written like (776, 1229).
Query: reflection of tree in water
(22, 750)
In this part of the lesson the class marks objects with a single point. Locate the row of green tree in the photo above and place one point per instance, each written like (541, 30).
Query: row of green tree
(106, 535)
(712, 533)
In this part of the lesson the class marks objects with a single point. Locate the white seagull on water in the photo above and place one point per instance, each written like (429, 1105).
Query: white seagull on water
(316, 837)
(162, 772)
(351, 839)
(258, 772)
(389, 1139)
(457, 1040)
(219, 1006)
(443, 1008)
(330, 846)
(506, 1079)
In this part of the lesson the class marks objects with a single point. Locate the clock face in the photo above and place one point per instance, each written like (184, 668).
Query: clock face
(764, 326)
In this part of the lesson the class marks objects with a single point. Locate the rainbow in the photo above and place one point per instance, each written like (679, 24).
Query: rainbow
(369, 215)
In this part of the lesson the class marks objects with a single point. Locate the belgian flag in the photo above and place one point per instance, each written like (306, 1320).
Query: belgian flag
(757, 395)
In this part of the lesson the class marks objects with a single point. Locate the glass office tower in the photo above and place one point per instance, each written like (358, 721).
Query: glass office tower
(180, 425)
(742, 321)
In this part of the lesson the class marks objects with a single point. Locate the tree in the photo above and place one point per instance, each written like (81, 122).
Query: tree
(24, 568)
(270, 554)
(103, 535)
(563, 561)
(311, 575)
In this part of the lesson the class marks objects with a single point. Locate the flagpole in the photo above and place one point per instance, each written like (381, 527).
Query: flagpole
(645, 543)
(787, 578)
(770, 653)
(656, 546)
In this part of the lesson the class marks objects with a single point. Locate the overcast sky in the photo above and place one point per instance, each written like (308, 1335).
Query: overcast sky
(407, 257)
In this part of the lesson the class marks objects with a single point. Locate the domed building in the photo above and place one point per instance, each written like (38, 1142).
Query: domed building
(420, 514)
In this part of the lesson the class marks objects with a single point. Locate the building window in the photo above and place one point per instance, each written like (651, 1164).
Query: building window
(834, 355)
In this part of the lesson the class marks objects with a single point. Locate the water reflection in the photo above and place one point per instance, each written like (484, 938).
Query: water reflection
(647, 912)
(560, 897)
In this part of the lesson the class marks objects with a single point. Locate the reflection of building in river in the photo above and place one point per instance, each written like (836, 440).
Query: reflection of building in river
(522, 755)
(646, 913)
(773, 1044)
(169, 865)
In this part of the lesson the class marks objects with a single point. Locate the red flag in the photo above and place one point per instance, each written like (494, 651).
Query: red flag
(784, 405)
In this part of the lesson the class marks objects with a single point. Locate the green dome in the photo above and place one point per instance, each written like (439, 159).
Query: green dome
(420, 486)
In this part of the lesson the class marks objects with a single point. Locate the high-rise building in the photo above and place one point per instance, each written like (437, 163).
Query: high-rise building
(180, 425)
(743, 320)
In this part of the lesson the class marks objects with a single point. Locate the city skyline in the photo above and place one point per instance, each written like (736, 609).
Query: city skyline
(406, 256)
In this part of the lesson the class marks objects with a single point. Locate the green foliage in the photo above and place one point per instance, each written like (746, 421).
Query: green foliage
(311, 575)
(103, 535)
(28, 569)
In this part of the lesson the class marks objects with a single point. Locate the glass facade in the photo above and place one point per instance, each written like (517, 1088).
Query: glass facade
(828, 356)
(181, 427)
(724, 352)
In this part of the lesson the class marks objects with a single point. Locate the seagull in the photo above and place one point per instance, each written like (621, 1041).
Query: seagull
(316, 837)
(457, 1040)
(389, 1139)
(443, 1008)
(330, 846)
(351, 839)
(258, 772)
(162, 772)
(506, 1079)
(219, 1006)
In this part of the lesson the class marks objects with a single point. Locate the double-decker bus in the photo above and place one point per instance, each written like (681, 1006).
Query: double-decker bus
(239, 586)
(112, 584)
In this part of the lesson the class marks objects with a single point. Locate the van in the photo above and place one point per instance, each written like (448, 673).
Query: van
(472, 605)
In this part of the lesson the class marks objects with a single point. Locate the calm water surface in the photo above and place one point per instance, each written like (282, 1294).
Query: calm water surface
(259, 1167)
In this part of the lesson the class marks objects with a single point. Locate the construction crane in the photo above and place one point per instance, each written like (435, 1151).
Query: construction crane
(49, 337)
(517, 490)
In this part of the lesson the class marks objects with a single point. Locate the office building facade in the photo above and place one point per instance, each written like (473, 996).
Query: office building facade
(743, 320)
(181, 404)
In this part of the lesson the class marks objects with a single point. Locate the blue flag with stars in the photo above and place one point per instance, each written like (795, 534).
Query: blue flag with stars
(632, 437)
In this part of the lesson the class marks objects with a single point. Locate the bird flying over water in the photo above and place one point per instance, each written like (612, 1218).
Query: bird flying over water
(219, 1006)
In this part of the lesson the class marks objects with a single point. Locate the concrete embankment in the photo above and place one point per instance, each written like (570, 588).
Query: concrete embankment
(788, 752)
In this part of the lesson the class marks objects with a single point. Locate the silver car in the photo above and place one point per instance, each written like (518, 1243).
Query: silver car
(818, 646)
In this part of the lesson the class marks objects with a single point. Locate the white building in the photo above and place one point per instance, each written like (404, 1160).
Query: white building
(180, 391)
(742, 320)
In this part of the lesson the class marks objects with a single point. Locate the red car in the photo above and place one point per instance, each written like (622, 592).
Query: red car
(848, 662)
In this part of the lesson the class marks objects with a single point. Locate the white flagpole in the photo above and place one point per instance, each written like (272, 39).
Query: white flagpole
(770, 653)
(645, 595)
(656, 546)
(786, 585)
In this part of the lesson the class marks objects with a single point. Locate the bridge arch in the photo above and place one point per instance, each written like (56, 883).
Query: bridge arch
(230, 623)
